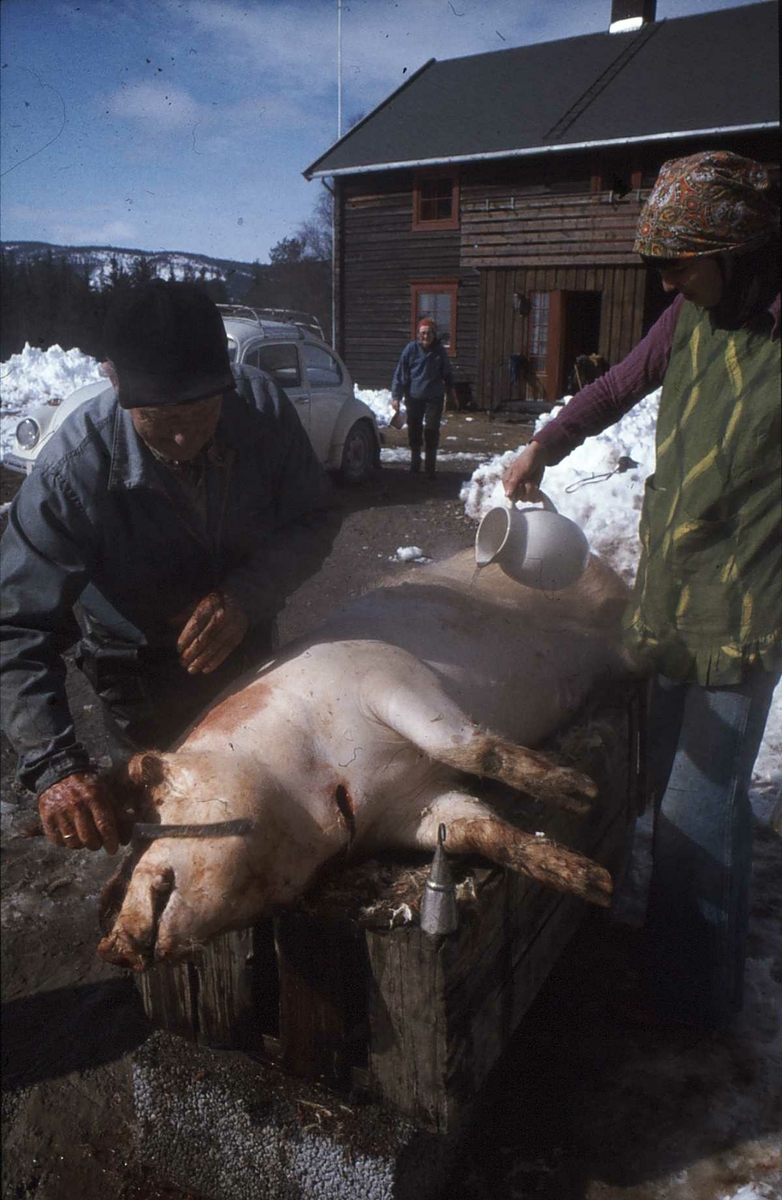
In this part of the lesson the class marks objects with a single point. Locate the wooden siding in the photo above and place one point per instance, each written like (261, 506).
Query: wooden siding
(502, 331)
(557, 223)
(530, 231)
(381, 257)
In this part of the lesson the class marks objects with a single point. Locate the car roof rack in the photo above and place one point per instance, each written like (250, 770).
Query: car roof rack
(306, 322)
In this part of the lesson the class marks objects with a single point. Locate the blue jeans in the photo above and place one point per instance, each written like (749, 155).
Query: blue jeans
(703, 745)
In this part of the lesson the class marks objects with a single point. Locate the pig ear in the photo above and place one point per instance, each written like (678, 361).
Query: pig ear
(147, 769)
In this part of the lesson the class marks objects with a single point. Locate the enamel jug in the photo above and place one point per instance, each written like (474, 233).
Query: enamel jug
(535, 546)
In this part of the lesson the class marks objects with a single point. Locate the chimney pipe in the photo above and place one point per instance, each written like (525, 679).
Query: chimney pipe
(629, 15)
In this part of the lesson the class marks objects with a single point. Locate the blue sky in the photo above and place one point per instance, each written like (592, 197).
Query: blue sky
(186, 124)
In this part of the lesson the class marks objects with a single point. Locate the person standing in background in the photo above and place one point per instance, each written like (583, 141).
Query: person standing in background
(423, 378)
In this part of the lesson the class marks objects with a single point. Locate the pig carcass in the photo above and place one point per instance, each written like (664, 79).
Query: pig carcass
(365, 737)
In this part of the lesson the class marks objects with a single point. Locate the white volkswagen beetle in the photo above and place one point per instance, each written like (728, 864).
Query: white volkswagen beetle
(342, 429)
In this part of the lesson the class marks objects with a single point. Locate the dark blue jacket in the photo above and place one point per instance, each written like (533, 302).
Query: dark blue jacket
(423, 374)
(102, 522)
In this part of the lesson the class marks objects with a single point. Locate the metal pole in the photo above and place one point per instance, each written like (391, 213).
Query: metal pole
(339, 69)
(332, 193)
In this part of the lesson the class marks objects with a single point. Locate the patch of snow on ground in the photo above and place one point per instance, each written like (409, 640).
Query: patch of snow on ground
(409, 554)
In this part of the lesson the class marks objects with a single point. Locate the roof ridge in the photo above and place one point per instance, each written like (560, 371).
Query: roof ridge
(599, 85)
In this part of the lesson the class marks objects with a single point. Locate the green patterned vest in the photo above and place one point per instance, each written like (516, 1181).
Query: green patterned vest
(708, 595)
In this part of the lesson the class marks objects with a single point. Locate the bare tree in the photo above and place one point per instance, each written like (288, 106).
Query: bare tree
(315, 233)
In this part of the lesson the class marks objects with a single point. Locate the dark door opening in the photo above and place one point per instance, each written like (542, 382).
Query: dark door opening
(574, 329)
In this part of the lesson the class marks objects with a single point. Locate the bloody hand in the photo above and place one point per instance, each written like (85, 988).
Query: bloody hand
(76, 813)
(215, 628)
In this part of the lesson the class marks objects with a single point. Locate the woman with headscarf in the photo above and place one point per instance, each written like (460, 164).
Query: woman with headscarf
(706, 605)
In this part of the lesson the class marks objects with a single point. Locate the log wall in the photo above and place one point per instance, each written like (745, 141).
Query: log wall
(558, 222)
(381, 257)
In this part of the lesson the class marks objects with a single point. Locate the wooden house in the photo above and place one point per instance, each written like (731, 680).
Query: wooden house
(500, 192)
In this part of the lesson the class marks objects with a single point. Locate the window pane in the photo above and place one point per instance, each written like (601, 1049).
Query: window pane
(436, 305)
(436, 199)
(281, 362)
(323, 369)
(538, 330)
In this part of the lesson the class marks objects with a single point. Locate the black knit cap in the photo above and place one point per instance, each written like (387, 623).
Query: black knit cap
(168, 345)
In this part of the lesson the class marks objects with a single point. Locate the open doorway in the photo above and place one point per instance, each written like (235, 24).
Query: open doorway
(574, 330)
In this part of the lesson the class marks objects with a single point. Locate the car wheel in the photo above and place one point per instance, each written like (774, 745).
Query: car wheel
(358, 454)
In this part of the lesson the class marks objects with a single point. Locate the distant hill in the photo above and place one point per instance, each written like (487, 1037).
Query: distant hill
(59, 294)
(239, 277)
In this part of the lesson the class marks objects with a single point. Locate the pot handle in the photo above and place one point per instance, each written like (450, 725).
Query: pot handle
(547, 503)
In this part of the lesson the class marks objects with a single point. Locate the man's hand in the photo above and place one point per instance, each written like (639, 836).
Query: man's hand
(215, 627)
(523, 477)
(76, 813)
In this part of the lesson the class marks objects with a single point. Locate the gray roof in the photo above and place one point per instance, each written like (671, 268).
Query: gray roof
(715, 71)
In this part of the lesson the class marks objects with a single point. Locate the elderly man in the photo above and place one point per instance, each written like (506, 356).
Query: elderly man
(422, 378)
(179, 508)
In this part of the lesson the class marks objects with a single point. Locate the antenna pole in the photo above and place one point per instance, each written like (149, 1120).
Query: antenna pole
(339, 69)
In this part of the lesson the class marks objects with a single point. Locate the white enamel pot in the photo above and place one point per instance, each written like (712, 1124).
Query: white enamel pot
(535, 546)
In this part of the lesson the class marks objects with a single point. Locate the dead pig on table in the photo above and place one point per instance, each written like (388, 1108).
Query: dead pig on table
(365, 737)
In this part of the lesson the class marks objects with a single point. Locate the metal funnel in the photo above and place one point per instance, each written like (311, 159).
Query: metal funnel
(438, 903)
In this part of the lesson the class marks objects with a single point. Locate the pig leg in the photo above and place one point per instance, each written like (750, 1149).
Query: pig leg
(423, 714)
(131, 942)
(472, 828)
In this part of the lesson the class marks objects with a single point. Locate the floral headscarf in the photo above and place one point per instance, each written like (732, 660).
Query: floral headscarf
(707, 203)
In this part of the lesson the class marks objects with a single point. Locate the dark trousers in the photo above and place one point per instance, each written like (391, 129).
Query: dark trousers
(148, 700)
(423, 422)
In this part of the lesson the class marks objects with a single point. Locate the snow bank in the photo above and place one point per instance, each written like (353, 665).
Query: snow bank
(35, 377)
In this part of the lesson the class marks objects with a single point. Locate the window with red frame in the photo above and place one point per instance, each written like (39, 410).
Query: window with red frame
(436, 299)
(436, 201)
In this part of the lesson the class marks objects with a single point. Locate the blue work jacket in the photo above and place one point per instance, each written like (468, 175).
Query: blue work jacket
(422, 374)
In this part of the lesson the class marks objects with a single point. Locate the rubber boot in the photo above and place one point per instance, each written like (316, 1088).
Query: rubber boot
(415, 460)
(430, 459)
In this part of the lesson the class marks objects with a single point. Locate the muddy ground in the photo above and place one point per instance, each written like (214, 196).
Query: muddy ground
(581, 1108)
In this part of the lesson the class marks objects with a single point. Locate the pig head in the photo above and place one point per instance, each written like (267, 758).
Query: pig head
(364, 738)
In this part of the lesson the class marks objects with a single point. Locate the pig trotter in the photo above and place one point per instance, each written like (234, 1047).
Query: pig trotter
(526, 770)
(141, 912)
(543, 860)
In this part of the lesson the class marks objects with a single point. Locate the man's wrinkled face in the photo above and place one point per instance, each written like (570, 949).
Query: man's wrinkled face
(425, 336)
(698, 280)
(178, 431)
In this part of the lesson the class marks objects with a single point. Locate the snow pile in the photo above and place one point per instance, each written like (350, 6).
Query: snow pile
(36, 377)
(607, 509)
(379, 401)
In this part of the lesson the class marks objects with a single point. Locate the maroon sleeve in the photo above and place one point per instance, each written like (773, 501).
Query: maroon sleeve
(603, 402)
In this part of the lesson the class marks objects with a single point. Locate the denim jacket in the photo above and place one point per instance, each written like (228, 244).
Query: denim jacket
(103, 522)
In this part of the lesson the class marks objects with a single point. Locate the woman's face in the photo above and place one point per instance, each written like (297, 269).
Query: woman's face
(698, 280)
